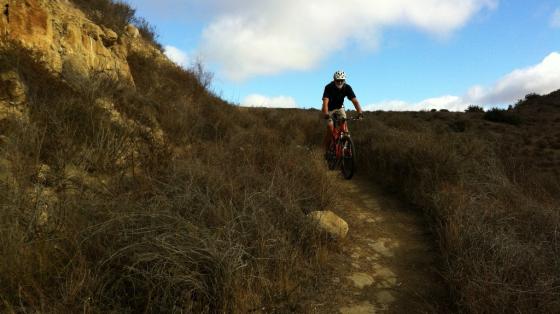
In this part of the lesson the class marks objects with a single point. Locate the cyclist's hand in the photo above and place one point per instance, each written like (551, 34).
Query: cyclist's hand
(325, 116)
(360, 115)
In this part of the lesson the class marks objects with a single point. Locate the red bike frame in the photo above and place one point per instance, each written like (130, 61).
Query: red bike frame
(341, 149)
(338, 131)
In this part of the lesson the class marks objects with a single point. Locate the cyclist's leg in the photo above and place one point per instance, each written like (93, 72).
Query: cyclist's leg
(341, 114)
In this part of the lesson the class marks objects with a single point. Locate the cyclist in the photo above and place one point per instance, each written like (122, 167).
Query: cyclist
(333, 103)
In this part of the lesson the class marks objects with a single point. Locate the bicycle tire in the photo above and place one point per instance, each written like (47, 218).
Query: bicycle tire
(348, 166)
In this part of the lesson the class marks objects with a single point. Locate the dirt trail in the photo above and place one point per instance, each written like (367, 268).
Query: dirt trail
(387, 264)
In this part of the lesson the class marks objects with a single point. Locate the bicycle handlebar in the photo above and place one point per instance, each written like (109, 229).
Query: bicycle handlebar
(350, 119)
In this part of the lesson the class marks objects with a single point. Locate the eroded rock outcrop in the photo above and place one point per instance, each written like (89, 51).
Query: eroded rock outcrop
(69, 43)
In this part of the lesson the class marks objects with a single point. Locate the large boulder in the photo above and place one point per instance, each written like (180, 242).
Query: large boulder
(330, 223)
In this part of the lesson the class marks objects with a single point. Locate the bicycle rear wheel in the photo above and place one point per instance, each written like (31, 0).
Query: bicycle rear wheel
(348, 158)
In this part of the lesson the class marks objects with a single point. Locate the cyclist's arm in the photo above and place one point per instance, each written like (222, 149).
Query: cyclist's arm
(325, 106)
(356, 104)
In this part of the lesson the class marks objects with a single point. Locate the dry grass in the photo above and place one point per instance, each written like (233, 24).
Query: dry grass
(100, 216)
(496, 220)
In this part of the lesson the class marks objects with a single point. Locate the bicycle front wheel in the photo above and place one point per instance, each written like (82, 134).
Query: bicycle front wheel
(348, 158)
(331, 157)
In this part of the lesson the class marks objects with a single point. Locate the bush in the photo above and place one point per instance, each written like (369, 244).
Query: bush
(473, 108)
(113, 14)
(502, 116)
(147, 31)
(532, 96)
(116, 14)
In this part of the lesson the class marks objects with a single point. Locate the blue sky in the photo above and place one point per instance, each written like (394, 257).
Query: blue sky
(398, 54)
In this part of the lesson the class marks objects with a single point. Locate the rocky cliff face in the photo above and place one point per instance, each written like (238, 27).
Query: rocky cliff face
(69, 42)
(68, 45)
(62, 42)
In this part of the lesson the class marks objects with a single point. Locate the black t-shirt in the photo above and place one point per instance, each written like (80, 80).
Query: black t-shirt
(336, 96)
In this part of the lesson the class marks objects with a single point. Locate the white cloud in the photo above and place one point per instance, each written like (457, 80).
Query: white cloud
(262, 37)
(542, 78)
(176, 55)
(256, 100)
(555, 19)
(448, 102)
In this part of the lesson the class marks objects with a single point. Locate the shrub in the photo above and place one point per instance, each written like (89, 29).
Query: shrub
(532, 96)
(113, 14)
(147, 31)
(473, 108)
(116, 14)
(502, 116)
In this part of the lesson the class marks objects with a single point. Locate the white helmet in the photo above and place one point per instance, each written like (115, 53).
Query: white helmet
(339, 75)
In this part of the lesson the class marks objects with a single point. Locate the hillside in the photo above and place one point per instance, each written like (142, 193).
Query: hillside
(489, 184)
(127, 187)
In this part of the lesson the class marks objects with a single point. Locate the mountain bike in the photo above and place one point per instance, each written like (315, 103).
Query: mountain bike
(341, 151)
